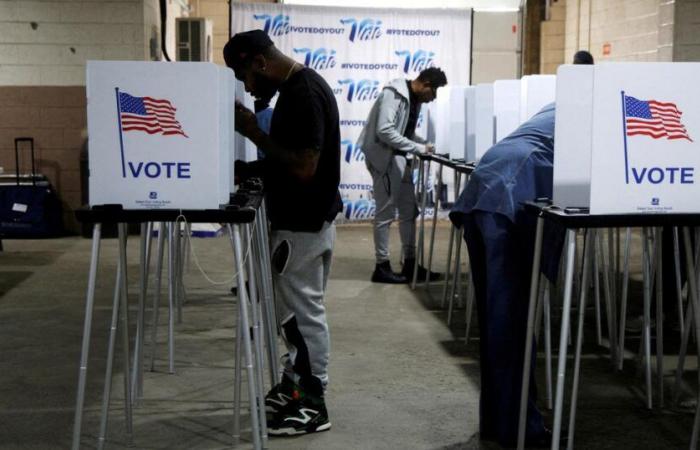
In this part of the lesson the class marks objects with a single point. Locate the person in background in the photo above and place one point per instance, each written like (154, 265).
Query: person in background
(500, 240)
(583, 57)
(388, 136)
(301, 174)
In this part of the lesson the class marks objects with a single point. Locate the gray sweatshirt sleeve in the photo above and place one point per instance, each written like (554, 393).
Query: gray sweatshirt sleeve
(386, 128)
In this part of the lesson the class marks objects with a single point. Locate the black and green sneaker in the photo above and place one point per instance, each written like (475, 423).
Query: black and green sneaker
(281, 395)
(307, 415)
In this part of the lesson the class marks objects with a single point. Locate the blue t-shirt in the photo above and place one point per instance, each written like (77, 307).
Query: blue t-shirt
(264, 119)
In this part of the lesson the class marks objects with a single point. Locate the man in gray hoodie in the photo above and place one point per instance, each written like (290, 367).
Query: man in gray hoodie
(389, 135)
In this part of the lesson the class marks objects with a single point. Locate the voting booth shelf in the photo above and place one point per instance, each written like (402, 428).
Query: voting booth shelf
(461, 170)
(256, 331)
(155, 142)
(573, 220)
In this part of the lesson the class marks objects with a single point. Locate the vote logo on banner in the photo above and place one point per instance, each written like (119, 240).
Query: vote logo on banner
(274, 25)
(317, 59)
(656, 120)
(361, 209)
(416, 61)
(352, 152)
(363, 30)
(360, 90)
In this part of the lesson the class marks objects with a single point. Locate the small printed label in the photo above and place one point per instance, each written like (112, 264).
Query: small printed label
(19, 207)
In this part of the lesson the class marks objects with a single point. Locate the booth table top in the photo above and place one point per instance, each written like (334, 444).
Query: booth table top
(581, 218)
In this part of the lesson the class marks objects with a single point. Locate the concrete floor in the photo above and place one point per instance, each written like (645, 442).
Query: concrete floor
(400, 378)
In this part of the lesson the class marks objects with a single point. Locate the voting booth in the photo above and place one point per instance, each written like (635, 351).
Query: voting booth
(485, 135)
(626, 138)
(245, 149)
(161, 134)
(506, 107)
(536, 92)
(454, 121)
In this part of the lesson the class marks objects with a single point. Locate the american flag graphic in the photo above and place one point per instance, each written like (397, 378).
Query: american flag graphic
(152, 115)
(654, 118)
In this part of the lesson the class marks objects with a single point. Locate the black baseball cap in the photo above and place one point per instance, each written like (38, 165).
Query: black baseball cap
(243, 46)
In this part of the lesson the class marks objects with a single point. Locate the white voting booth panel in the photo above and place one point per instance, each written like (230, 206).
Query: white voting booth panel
(159, 134)
(640, 155)
(572, 136)
(451, 122)
(646, 132)
(245, 149)
(506, 106)
(483, 120)
(470, 150)
(536, 92)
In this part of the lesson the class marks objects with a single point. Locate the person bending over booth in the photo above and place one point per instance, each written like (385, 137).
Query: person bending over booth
(388, 135)
(301, 173)
(500, 239)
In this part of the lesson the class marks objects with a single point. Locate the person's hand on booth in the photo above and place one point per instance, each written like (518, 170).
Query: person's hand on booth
(429, 147)
(246, 122)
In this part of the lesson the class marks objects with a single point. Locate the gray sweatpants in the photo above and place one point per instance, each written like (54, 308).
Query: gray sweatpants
(394, 191)
(301, 264)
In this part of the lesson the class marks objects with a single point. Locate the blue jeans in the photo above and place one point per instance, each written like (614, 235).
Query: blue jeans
(501, 262)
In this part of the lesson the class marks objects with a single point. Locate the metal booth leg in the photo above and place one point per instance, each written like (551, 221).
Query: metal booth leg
(432, 231)
(106, 396)
(87, 328)
(253, 395)
(623, 306)
(267, 301)
(156, 297)
(423, 175)
(659, 318)
(532, 306)
(646, 330)
(256, 318)
(454, 237)
(171, 298)
(589, 239)
(136, 365)
(125, 331)
(566, 310)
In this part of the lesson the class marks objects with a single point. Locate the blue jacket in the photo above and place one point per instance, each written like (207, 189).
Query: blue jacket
(517, 169)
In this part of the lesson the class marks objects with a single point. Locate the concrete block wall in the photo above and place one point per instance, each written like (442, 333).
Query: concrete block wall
(43, 49)
(495, 46)
(55, 117)
(634, 30)
(46, 43)
(217, 11)
(686, 31)
(552, 40)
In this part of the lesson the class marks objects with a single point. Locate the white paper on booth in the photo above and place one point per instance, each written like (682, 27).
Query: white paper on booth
(573, 136)
(537, 91)
(226, 130)
(442, 112)
(457, 122)
(484, 138)
(245, 149)
(153, 143)
(646, 138)
(506, 107)
(470, 123)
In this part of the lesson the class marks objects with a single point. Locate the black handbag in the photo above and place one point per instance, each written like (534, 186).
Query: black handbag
(29, 207)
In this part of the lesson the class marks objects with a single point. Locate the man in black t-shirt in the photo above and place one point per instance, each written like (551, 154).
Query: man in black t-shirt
(301, 173)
